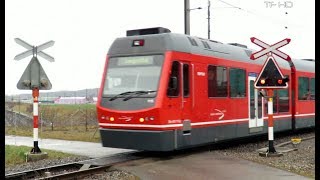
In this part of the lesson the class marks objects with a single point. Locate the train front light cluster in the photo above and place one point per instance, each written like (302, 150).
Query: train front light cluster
(141, 119)
(151, 118)
(107, 118)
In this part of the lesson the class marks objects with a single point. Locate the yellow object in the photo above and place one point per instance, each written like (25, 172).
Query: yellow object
(296, 140)
(111, 118)
(141, 119)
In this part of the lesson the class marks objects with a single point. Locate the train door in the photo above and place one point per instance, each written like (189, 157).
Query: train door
(255, 106)
(187, 95)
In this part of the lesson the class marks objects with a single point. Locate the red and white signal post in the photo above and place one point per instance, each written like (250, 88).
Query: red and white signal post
(34, 78)
(270, 78)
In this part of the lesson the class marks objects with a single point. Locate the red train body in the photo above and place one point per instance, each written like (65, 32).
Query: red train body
(163, 91)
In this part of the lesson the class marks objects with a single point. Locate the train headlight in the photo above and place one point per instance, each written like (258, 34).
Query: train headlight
(111, 118)
(141, 119)
(103, 117)
(151, 118)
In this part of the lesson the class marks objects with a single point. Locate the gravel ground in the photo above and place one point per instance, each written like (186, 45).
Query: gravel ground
(301, 162)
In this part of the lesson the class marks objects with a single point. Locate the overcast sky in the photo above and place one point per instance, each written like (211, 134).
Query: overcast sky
(83, 31)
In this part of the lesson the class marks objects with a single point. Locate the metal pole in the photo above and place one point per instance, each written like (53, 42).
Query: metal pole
(86, 109)
(209, 19)
(270, 122)
(41, 120)
(35, 95)
(187, 17)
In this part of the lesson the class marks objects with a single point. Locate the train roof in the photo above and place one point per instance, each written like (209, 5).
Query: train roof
(166, 41)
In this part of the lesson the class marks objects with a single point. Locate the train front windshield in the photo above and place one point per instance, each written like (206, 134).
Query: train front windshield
(131, 74)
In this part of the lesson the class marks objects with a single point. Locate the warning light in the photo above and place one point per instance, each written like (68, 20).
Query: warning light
(111, 118)
(271, 76)
(139, 42)
(141, 119)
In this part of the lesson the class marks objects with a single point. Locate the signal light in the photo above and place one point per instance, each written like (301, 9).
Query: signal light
(139, 42)
(279, 81)
(262, 81)
(111, 118)
(141, 119)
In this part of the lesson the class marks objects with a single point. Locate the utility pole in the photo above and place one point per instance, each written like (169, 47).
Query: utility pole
(208, 19)
(187, 17)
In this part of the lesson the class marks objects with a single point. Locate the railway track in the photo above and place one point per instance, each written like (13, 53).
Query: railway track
(76, 170)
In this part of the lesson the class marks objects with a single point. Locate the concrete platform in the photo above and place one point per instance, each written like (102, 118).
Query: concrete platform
(279, 151)
(35, 157)
(205, 166)
(80, 148)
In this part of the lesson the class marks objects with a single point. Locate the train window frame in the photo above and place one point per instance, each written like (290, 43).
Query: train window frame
(174, 93)
(186, 79)
(280, 108)
(242, 94)
(312, 88)
(303, 93)
(226, 83)
(112, 62)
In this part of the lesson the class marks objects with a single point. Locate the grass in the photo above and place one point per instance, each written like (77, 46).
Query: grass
(68, 119)
(15, 155)
(64, 109)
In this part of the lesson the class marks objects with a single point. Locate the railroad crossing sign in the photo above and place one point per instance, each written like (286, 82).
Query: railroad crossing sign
(34, 75)
(34, 78)
(35, 50)
(270, 49)
(271, 76)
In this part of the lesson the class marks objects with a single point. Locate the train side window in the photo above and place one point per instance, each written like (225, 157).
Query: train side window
(283, 100)
(186, 79)
(312, 89)
(304, 91)
(217, 81)
(174, 81)
(237, 82)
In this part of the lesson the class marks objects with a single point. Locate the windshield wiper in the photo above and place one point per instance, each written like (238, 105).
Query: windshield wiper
(138, 93)
(121, 94)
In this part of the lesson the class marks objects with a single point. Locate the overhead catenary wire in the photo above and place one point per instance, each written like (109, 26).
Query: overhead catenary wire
(271, 19)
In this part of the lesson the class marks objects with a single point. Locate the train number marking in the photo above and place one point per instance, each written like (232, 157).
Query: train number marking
(201, 73)
(174, 121)
(218, 113)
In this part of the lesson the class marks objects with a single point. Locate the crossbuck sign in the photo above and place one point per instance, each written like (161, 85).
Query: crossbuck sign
(34, 75)
(270, 49)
